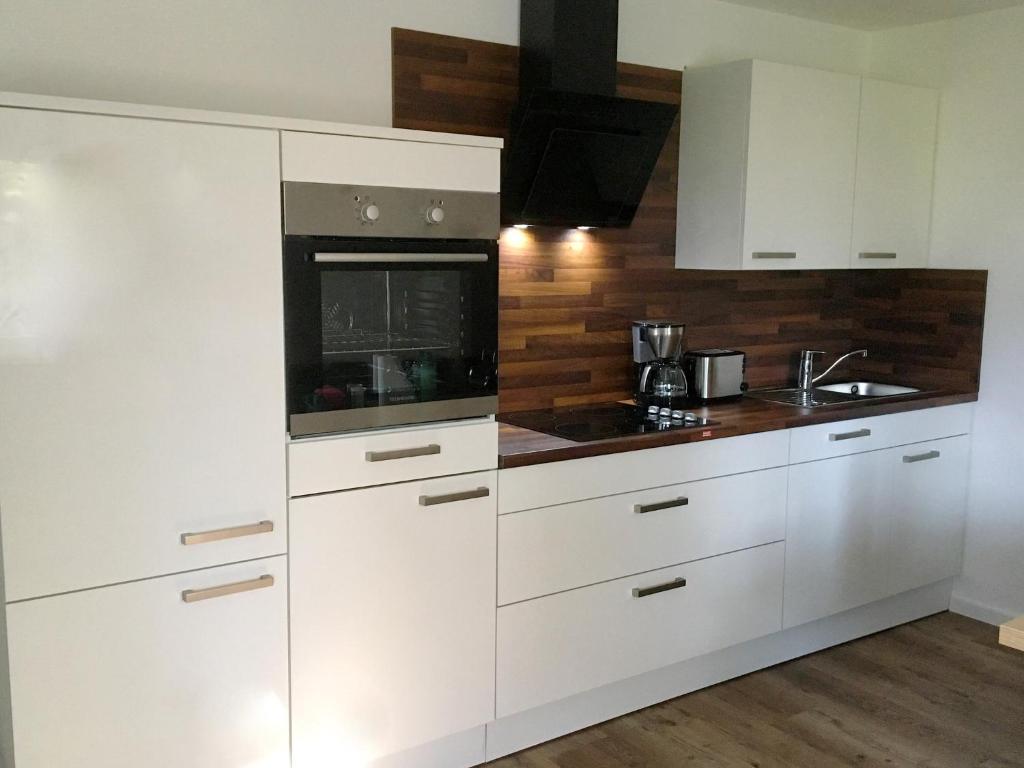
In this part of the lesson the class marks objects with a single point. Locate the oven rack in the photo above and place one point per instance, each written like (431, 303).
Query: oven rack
(351, 341)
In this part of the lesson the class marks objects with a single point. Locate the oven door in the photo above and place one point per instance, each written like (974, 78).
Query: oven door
(385, 332)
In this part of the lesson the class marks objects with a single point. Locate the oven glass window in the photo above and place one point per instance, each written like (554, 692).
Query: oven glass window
(370, 335)
(390, 338)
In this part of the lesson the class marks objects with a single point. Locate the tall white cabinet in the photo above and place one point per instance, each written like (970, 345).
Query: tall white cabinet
(142, 442)
(786, 167)
(142, 348)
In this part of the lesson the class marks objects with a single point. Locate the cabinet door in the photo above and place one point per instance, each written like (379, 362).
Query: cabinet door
(132, 675)
(392, 617)
(801, 162)
(929, 506)
(141, 339)
(838, 532)
(895, 158)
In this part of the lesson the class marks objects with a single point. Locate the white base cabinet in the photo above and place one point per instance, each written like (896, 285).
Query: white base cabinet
(560, 645)
(132, 675)
(837, 535)
(392, 617)
(929, 505)
(870, 525)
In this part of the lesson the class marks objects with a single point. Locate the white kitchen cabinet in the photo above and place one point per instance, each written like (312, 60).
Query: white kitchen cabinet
(140, 348)
(132, 675)
(928, 511)
(564, 644)
(375, 457)
(838, 535)
(767, 167)
(327, 159)
(874, 524)
(392, 617)
(558, 482)
(551, 549)
(895, 160)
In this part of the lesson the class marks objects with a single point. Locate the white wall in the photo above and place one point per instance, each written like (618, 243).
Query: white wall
(330, 59)
(978, 222)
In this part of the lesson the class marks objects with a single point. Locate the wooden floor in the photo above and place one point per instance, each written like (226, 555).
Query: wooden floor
(938, 692)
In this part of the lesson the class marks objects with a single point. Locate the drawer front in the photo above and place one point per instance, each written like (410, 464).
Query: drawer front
(391, 456)
(824, 441)
(564, 481)
(330, 159)
(574, 641)
(551, 549)
(392, 617)
(137, 676)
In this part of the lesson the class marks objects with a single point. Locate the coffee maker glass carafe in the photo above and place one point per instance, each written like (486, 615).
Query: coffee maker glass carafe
(662, 381)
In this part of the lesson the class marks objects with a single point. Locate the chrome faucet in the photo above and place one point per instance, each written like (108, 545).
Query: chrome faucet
(806, 376)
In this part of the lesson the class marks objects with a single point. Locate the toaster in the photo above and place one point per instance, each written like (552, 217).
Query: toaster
(715, 374)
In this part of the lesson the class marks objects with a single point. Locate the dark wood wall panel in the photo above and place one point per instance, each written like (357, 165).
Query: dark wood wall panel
(568, 297)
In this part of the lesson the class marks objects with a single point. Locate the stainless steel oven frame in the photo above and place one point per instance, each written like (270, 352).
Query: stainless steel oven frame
(326, 229)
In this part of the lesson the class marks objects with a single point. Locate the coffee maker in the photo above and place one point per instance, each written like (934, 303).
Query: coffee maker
(660, 381)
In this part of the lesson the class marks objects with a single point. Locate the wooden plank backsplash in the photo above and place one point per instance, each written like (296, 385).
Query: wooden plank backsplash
(568, 297)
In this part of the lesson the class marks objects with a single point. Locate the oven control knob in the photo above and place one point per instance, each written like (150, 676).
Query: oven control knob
(369, 212)
(434, 214)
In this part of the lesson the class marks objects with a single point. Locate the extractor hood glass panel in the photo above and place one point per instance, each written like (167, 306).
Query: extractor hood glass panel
(580, 159)
(585, 175)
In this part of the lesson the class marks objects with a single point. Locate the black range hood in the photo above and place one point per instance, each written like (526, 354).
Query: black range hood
(578, 155)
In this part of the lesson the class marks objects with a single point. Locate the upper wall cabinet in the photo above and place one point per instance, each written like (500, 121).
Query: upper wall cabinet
(141, 349)
(780, 164)
(767, 165)
(895, 158)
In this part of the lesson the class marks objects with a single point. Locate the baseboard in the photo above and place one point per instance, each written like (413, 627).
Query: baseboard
(525, 729)
(972, 609)
(460, 750)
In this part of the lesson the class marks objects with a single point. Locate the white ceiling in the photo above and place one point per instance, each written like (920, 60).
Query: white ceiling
(877, 14)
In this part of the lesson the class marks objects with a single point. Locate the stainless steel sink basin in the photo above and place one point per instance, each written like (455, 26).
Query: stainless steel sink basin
(831, 394)
(867, 389)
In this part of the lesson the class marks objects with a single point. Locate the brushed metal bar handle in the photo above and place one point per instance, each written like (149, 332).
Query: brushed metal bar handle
(403, 453)
(834, 436)
(921, 457)
(773, 255)
(645, 591)
(219, 534)
(397, 258)
(448, 498)
(195, 595)
(642, 509)
(875, 255)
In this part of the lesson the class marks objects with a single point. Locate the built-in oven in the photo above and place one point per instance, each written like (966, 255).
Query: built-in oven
(391, 306)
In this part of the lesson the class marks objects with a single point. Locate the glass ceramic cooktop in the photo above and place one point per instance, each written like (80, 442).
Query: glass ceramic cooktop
(600, 422)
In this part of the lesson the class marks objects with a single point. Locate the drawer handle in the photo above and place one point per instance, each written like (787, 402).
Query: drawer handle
(773, 255)
(403, 453)
(219, 534)
(645, 591)
(849, 435)
(921, 457)
(875, 255)
(448, 498)
(195, 595)
(642, 509)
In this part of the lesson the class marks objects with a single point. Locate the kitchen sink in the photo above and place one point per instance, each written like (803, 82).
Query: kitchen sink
(831, 394)
(867, 389)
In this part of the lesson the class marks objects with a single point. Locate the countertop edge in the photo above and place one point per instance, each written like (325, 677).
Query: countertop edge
(519, 447)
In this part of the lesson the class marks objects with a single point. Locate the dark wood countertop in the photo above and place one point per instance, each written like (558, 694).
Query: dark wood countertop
(519, 447)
